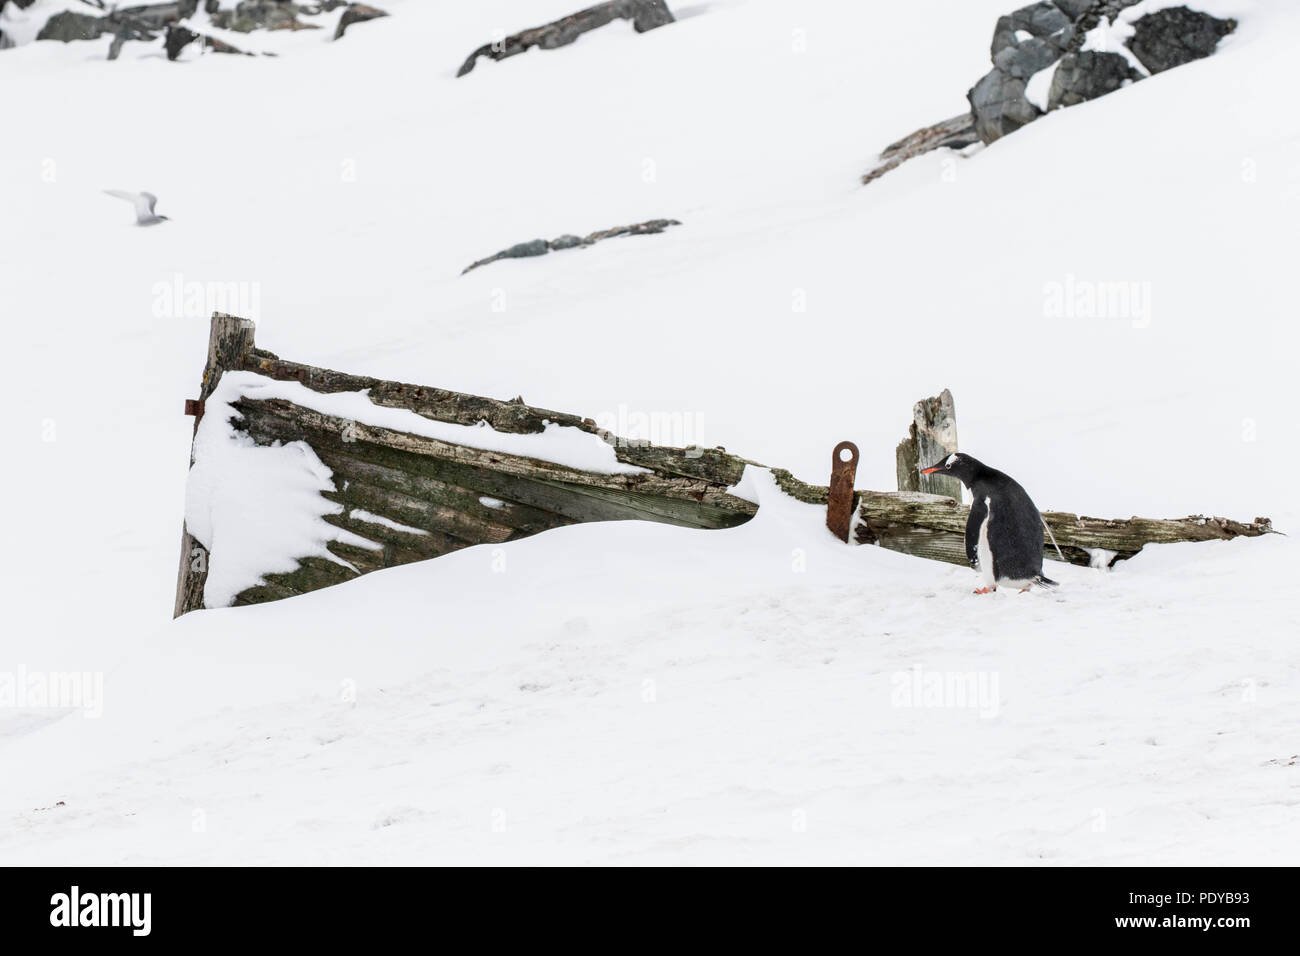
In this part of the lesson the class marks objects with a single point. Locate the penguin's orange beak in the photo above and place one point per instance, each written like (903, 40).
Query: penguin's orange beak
(931, 470)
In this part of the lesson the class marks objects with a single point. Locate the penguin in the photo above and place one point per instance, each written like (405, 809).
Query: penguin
(1004, 533)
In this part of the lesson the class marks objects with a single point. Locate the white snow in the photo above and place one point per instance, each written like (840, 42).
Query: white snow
(1100, 557)
(362, 515)
(631, 692)
(1110, 37)
(255, 509)
(1039, 87)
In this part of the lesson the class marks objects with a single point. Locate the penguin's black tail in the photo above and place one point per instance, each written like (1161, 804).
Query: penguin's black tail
(1044, 582)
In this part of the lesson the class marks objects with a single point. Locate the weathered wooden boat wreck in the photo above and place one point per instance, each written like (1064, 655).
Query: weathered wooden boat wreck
(399, 496)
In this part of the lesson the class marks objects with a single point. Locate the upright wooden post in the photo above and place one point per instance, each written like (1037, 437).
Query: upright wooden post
(931, 437)
(229, 340)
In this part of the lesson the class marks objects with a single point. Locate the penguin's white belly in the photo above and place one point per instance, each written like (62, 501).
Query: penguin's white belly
(984, 553)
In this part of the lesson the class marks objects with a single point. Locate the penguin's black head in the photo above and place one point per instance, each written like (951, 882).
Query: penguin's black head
(962, 467)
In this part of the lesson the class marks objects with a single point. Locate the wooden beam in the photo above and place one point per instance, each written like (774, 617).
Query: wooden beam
(934, 526)
(230, 338)
(514, 416)
(693, 491)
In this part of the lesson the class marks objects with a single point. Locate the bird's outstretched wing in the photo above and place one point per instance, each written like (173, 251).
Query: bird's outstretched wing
(143, 202)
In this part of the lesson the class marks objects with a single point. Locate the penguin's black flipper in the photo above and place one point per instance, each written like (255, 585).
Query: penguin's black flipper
(979, 510)
(1045, 582)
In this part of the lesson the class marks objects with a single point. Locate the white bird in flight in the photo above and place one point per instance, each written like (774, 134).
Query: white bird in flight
(144, 203)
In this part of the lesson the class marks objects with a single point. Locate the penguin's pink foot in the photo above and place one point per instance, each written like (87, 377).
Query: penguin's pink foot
(985, 590)
(1024, 589)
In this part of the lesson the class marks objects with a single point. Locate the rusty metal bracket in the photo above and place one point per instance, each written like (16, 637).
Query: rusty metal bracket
(194, 406)
(839, 503)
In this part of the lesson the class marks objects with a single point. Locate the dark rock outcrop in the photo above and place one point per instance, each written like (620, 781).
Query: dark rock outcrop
(1035, 37)
(1176, 35)
(1052, 35)
(539, 247)
(644, 14)
(142, 22)
(148, 20)
(357, 13)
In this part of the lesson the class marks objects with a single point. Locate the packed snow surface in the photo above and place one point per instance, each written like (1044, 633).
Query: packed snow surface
(631, 692)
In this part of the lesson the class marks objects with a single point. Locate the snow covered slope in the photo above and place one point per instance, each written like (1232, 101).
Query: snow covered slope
(635, 693)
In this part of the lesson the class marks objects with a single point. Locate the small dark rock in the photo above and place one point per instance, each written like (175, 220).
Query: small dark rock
(1086, 76)
(1040, 19)
(1176, 35)
(522, 250)
(180, 37)
(357, 13)
(69, 26)
(1004, 36)
(999, 106)
(539, 247)
(648, 14)
(1027, 58)
(155, 16)
(250, 15)
(1074, 8)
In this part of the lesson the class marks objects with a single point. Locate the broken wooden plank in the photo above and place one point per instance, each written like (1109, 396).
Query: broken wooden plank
(415, 512)
(275, 420)
(931, 437)
(513, 416)
(517, 516)
(296, 419)
(955, 133)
